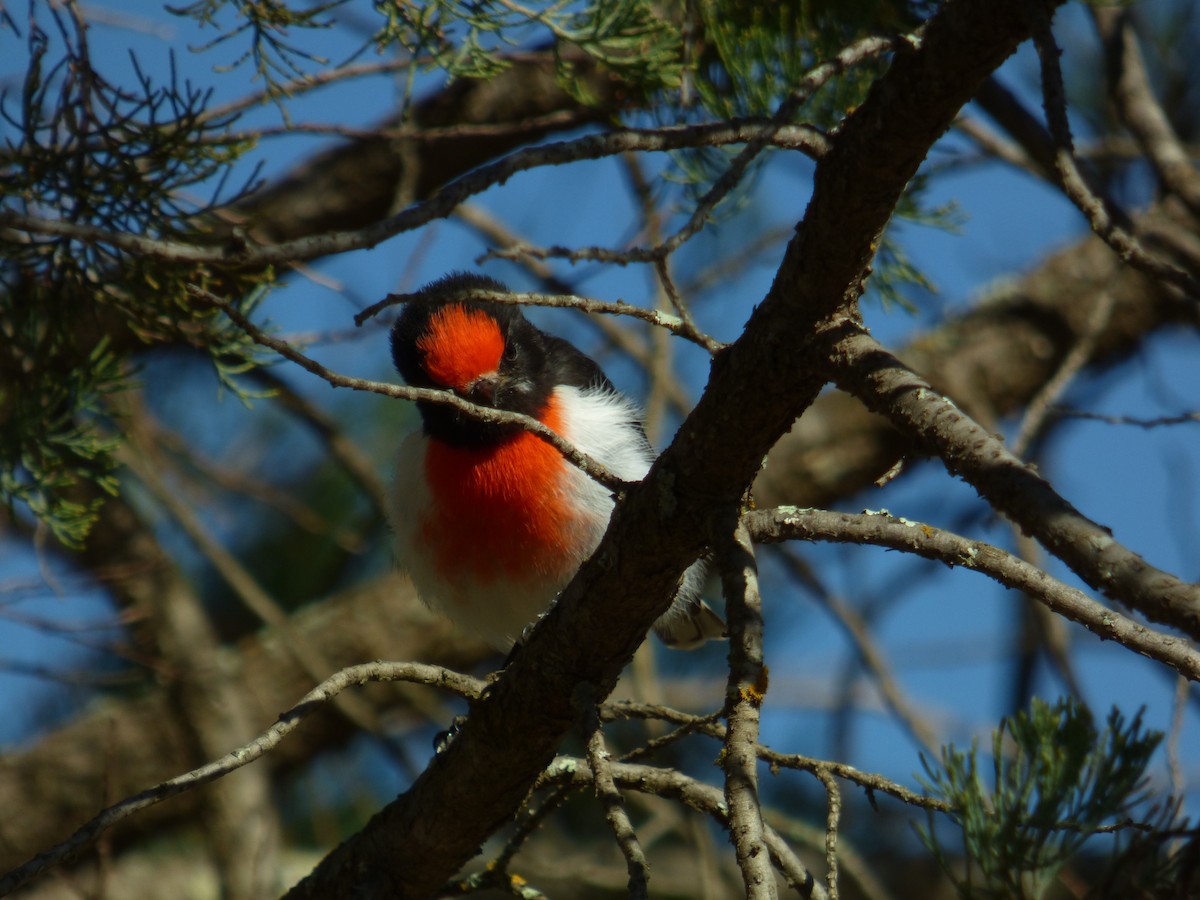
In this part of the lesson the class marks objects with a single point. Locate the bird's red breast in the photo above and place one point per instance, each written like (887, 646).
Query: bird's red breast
(501, 511)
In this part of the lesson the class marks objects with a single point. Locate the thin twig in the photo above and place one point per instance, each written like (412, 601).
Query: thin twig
(833, 816)
(188, 460)
(1039, 630)
(438, 205)
(623, 338)
(710, 726)
(257, 600)
(302, 84)
(744, 694)
(560, 119)
(1038, 409)
(872, 659)
(1178, 709)
(851, 864)
(1138, 107)
(582, 461)
(871, 783)
(671, 784)
(867, 48)
(659, 376)
(770, 131)
(661, 742)
(416, 673)
(790, 523)
(996, 146)
(662, 268)
(345, 451)
(673, 324)
(763, 246)
(1097, 211)
(528, 824)
(614, 812)
(1065, 412)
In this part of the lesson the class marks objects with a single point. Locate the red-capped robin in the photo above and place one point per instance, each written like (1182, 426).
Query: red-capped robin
(491, 521)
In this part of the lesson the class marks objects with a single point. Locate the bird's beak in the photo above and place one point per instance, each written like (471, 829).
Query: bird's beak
(482, 390)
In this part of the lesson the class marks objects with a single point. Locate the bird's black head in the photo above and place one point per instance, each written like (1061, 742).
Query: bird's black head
(487, 353)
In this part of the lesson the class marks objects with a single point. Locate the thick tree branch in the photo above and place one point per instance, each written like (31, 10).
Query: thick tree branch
(991, 360)
(861, 366)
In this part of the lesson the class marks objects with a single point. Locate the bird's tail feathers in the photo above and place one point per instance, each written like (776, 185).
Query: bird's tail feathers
(690, 621)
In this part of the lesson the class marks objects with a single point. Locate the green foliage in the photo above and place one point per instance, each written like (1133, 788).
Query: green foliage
(894, 275)
(47, 445)
(1055, 780)
(896, 279)
(747, 57)
(469, 39)
(268, 24)
(90, 156)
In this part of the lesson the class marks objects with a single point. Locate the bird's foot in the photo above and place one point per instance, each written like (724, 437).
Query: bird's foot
(443, 739)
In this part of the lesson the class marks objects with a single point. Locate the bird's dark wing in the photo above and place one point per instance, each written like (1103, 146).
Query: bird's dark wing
(568, 365)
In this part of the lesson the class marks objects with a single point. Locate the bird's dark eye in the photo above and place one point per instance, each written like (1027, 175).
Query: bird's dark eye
(510, 352)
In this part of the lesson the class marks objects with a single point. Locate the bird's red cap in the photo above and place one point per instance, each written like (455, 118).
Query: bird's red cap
(460, 345)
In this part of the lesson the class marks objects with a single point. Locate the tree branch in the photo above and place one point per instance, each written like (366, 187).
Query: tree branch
(699, 796)
(882, 529)
(247, 753)
(991, 360)
(614, 811)
(52, 785)
(1097, 210)
(744, 694)
(240, 253)
(861, 366)
(674, 324)
(1138, 107)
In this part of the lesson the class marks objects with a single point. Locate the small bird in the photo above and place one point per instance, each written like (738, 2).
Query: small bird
(491, 521)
